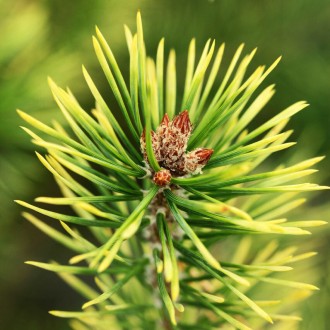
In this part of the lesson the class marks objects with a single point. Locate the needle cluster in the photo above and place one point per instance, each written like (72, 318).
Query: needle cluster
(176, 205)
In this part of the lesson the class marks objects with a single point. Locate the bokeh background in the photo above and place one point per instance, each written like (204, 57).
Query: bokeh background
(41, 38)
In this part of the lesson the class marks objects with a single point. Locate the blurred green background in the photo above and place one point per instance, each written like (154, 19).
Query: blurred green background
(53, 38)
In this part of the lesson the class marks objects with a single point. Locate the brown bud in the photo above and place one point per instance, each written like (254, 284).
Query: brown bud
(165, 120)
(162, 129)
(169, 144)
(162, 177)
(203, 155)
(182, 122)
(195, 160)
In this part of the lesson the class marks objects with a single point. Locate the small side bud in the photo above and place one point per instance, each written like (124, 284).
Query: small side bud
(203, 155)
(162, 178)
(197, 159)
